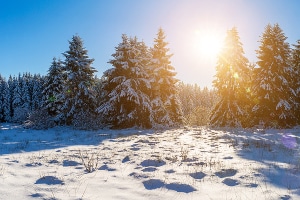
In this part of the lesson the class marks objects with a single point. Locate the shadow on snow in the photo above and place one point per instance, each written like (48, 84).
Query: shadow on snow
(277, 150)
(15, 139)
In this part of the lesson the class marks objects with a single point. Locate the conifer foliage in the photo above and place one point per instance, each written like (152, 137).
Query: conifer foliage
(78, 96)
(140, 90)
(196, 103)
(272, 85)
(232, 79)
(3, 87)
(296, 78)
(126, 85)
(19, 97)
(53, 88)
(8, 108)
(166, 109)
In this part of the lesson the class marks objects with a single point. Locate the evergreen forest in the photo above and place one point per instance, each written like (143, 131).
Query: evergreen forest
(141, 89)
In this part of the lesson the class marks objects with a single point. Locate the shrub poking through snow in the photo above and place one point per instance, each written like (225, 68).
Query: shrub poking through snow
(89, 160)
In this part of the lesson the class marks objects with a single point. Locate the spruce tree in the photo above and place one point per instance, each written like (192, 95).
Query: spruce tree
(6, 102)
(186, 97)
(8, 105)
(126, 86)
(272, 88)
(53, 88)
(296, 77)
(37, 83)
(196, 104)
(166, 109)
(19, 112)
(3, 86)
(26, 90)
(231, 83)
(78, 96)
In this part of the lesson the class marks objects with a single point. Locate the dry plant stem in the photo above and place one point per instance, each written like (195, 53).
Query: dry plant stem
(89, 161)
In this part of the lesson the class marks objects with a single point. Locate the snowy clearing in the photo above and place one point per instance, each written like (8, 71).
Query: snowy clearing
(188, 163)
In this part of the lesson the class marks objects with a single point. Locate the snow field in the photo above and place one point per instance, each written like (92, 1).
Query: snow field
(187, 163)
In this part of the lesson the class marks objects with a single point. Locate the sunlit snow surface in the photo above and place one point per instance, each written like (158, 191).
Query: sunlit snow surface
(185, 163)
(289, 141)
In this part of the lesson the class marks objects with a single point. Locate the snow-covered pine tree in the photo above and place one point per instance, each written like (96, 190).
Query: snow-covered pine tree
(78, 96)
(99, 91)
(231, 82)
(296, 78)
(26, 90)
(19, 112)
(3, 86)
(196, 104)
(126, 85)
(37, 83)
(39, 117)
(186, 95)
(53, 88)
(166, 108)
(272, 86)
(17, 92)
(8, 105)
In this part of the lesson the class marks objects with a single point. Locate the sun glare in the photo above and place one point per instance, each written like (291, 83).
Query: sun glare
(236, 75)
(208, 44)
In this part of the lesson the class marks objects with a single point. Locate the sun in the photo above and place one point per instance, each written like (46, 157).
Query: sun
(208, 43)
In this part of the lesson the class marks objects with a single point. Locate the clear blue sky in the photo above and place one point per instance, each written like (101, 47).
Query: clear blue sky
(32, 32)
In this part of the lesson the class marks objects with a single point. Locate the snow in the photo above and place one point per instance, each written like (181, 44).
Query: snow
(185, 163)
(284, 104)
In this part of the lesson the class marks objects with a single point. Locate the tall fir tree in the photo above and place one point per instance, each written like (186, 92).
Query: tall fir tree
(272, 88)
(78, 96)
(166, 108)
(53, 88)
(296, 78)
(8, 105)
(231, 82)
(26, 90)
(19, 112)
(126, 86)
(37, 83)
(3, 86)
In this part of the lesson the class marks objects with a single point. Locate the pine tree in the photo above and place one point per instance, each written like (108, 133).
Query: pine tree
(272, 88)
(53, 88)
(296, 77)
(3, 86)
(78, 96)
(6, 102)
(37, 83)
(26, 90)
(126, 86)
(99, 91)
(186, 96)
(17, 92)
(196, 104)
(231, 81)
(8, 105)
(166, 109)
(20, 112)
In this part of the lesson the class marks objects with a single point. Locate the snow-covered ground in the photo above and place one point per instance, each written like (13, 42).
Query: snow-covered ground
(188, 163)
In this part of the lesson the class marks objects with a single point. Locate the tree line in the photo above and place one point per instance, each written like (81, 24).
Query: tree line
(265, 93)
(140, 90)
(19, 95)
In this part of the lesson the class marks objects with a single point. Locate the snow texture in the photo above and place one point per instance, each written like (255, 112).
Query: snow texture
(189, 163)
